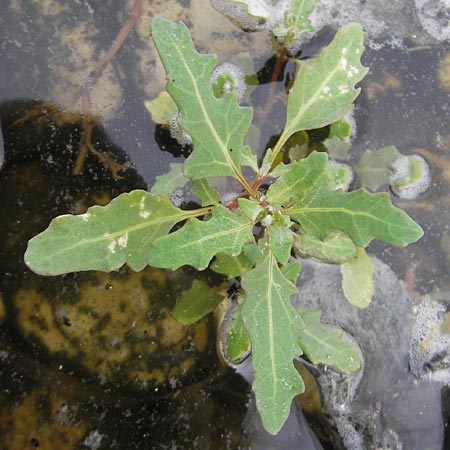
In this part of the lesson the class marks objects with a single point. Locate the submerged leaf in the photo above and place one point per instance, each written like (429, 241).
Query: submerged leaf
(320, 210)
(165, 184)
(231, 266)
(273, 326)
(236, 342)
(357, 279)
(196, 302)
(324, 344)
(199, 241)
(373, 167)
(105, 237)
(217, 125)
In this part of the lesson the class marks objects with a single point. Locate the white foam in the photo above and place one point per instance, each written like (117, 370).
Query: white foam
(177, 132)
(428, 340)
(434, 16)
(238, 85)
(402, 170)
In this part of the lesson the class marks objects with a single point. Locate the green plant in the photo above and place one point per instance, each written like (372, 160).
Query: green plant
(296, 206)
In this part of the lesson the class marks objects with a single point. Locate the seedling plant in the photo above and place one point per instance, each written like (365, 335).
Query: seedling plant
(289, 206)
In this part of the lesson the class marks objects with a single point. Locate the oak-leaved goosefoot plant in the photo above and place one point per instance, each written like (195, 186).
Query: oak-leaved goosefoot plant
(297, 208)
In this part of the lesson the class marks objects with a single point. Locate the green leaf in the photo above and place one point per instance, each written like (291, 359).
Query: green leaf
(105, 237)
(273, 326)
(324, 344)
(281, 237)
(251, 208)
(198, 241)
(291, 270)
(359, 214)
(237, 342)
(323, 90)
(231, 266)
(203, 189)
(336, 248)
(373, 167)
(196, 302)
(357, 279)
(217, 125)
(340, 129)
(167, 183)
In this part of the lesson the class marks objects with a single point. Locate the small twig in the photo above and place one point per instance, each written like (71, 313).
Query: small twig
(97, 72)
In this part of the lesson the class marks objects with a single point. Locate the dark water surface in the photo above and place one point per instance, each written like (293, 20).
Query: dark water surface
(95, 360)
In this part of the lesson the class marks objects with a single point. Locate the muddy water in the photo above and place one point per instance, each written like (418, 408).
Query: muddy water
(96, 361)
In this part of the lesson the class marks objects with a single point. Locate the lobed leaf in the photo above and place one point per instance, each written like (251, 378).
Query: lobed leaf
(323, 89)
(273, 326)
(105, 237)
(320, 210)
(199, 241)
(217, 125)
(324, 344)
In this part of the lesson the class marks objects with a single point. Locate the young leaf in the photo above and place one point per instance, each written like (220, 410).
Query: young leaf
(165, 184)
(217, 126)
(273, 326)
(323, 89)
(359, 214)
(198, 241)
(196, 302)
(335, 248)
(295, 21)
(357, 279)
(324, 344)
(105, 237)
(251, 208)
(205, 192)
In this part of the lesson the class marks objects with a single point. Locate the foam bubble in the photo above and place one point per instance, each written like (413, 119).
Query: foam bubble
(428, 341)
(177, 132)
(434, 16)
(410, 176)
(238, 13)
(228, 79)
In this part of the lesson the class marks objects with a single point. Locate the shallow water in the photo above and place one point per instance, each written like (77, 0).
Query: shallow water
(74, 349)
